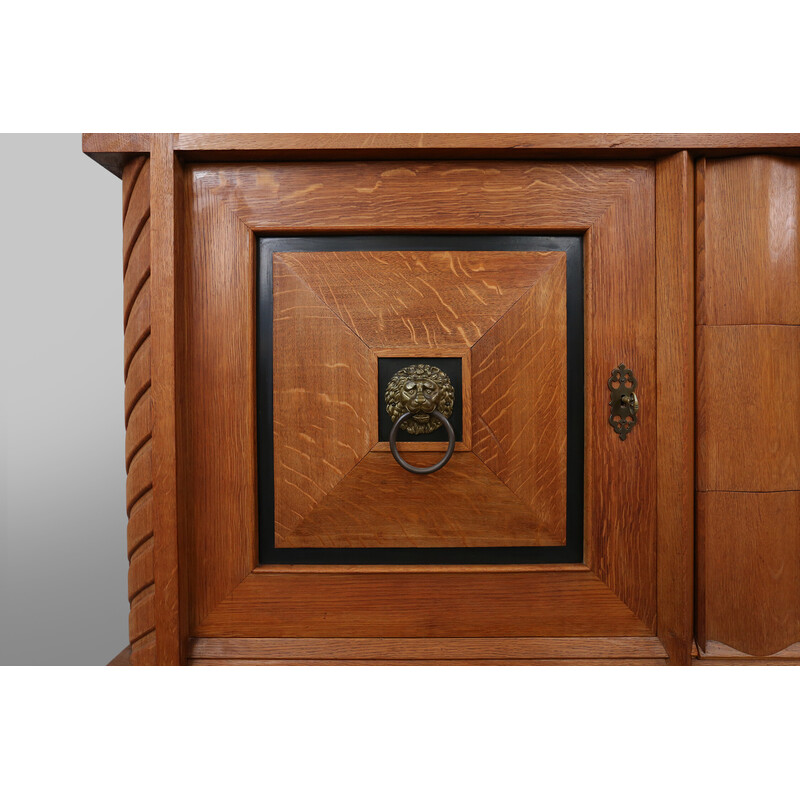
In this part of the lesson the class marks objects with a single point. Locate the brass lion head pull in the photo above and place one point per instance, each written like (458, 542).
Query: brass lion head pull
(419, 399)
(419, 389)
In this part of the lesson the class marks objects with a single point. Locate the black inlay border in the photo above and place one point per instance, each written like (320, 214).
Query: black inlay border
(571, 552)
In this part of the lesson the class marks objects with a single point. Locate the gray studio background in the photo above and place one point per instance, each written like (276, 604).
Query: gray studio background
(63, 565)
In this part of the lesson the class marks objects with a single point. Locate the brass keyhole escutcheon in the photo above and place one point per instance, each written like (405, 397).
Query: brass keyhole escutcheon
(419, 399)
(624, 402)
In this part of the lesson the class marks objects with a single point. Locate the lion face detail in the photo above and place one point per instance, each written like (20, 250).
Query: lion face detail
(420, 389)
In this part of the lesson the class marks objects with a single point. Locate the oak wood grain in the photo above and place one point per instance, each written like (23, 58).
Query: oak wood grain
(748, 408)
(140, 427)
(715, 649)
(405, 196)
(749, 304)
(138, 405)
(116, 151)
(413, 649)
(447, 603)
(140, 475)
(140, 523)
(130, 175)
(749, 662)
(378, 504)
(121, 659)
(138, 270)
(516, 141)
(415, 299)
(751, 569)
(700, 257)
(620, 478)
(675, 361)
(271, 147)
(167, 227)
(269, 569)
(601, 206)
(750, 272)
(217, 436)
(140, 569)
(325, 411)
(142, 619)
(612, 203)
(137, 328)
(139, 377)
(519, 420)
(639, 662)
(137, 212)
(329, 307)
(143, 651)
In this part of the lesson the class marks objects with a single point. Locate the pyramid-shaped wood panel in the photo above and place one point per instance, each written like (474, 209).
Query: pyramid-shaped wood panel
(331, 311)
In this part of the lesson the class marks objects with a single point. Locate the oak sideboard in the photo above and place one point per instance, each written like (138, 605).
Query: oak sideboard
(461, 398)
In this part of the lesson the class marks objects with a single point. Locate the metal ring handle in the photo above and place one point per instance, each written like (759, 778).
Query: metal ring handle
(451, 435)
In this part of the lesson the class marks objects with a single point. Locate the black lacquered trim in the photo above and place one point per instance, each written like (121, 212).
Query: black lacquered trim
(570, 553)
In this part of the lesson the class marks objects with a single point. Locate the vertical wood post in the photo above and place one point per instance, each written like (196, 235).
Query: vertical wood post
(675, 366)
(166, 208)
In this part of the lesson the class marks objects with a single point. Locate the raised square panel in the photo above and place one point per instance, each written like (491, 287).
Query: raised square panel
(335, 313)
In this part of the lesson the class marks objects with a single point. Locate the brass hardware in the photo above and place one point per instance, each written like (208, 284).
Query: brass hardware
(624, 402)
(419, 389)
(451, 438)
(419, 399)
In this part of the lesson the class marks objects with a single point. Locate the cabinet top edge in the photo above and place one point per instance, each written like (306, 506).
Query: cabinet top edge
(112, 150)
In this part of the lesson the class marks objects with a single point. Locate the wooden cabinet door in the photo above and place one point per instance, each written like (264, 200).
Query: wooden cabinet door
(538, 540)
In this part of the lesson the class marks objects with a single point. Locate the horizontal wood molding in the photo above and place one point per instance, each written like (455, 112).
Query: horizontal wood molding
(440, 649)
(114, 150)
(552, 143)
(344, 569)
(472, 662)
(445, 604)
(719, 650)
